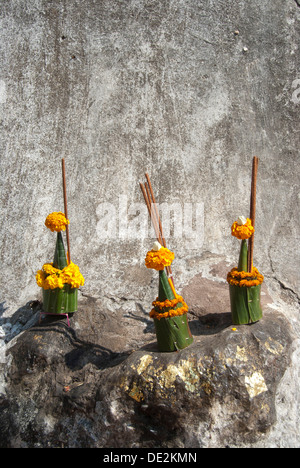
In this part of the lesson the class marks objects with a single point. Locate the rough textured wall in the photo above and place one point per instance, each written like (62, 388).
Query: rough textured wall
(187, 90)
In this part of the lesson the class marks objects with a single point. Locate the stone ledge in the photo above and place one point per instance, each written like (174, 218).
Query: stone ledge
(63, 390)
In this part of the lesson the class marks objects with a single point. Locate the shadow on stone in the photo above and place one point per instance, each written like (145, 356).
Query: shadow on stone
(24, 317)
(77, 352)
(210, 324)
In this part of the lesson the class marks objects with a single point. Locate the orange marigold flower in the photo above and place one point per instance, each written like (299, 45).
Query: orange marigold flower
(242, 231)
(159, 259)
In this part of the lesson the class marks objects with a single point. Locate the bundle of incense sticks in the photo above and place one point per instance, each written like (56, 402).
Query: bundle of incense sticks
(252, 211)
(154, 215)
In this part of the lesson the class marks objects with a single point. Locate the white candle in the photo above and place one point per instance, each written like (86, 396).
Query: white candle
(241, 220)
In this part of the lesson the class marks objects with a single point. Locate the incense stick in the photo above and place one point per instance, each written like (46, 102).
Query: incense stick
(156, 210)
(148, 203)
(154, 215)
(66, 208)
(252, 211)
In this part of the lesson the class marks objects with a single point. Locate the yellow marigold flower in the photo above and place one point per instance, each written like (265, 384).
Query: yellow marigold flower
(52, 278)
(71, 275)
(159, 259)
(49, 268)
(56, 221)
(242, 231)
(40, 278)
(51, 282)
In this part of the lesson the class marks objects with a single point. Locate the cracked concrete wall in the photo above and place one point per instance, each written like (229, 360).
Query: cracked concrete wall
(187, 90)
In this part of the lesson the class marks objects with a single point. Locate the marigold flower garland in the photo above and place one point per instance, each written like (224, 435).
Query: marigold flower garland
(244, 278)
(158, 314)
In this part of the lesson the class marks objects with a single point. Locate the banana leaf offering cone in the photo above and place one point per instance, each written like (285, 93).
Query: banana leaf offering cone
(169, 309)
(60, 279)
(245, 281)
(244, 286)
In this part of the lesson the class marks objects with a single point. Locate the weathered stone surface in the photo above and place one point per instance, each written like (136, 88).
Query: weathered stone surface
(219, 392)
(97, 384)
(188, 91)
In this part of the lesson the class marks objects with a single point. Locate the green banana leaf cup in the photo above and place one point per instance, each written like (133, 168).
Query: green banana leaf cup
(60, 279)
(172, 333)
(172, 330)
(245, 304)
(169, 310)
(245, 289)
(60, 301)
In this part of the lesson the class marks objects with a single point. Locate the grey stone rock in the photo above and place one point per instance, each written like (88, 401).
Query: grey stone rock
(94, 384)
